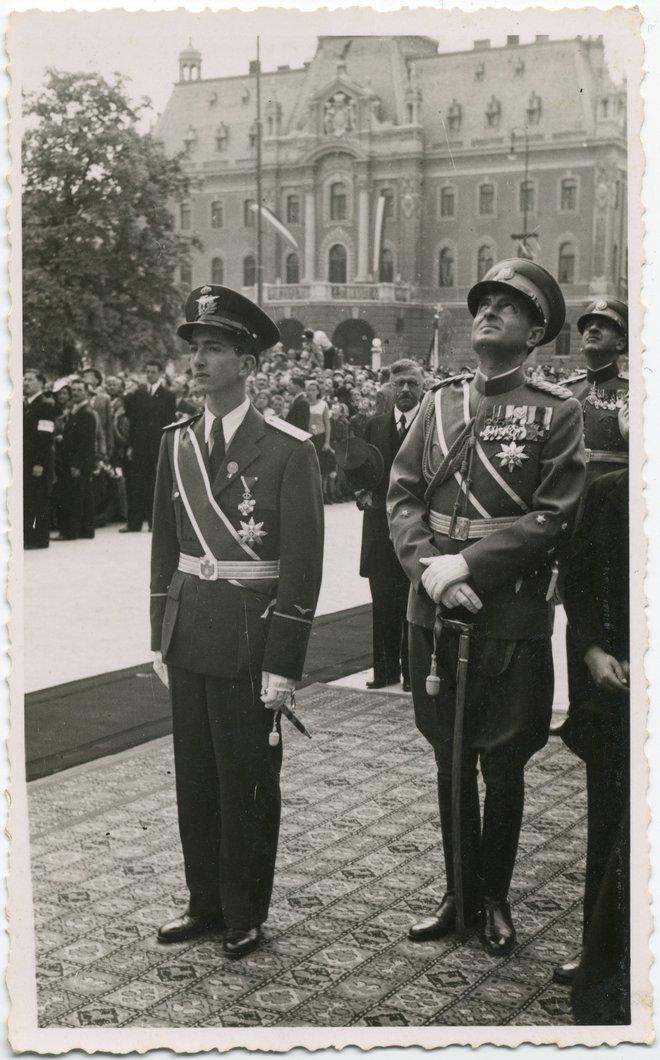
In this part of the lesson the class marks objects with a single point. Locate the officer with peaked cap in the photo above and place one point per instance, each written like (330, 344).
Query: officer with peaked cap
(235, 574)
(482, 500)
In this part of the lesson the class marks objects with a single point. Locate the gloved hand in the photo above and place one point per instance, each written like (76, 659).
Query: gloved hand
(441, 572)
(160, 669)
(275, 690)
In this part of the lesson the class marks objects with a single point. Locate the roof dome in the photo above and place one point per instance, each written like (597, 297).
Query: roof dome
(190, 52)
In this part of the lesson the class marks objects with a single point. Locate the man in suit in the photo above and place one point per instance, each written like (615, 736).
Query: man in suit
(149, 410)
(237, 555)
(38, 435)
(298, 413)
(100, 403)
(76, 459)
(483, 495)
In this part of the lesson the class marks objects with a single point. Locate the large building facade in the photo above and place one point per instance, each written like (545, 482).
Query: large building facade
(402, 174)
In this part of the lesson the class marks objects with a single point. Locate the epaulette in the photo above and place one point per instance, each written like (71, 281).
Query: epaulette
(556, 389)
(451, 379)
(183, 423)
(624, 375)
(579, 377)
(288, 428)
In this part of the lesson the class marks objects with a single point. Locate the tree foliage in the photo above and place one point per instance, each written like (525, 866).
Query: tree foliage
(100, 253)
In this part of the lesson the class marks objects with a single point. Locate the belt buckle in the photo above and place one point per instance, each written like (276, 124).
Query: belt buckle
(208, 569)
(587, 456)
(460, 529)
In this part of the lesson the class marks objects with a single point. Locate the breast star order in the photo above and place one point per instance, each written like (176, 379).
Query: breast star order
(251, 532)
(512, 455)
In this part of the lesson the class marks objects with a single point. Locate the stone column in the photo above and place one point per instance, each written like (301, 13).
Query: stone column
(310, 236)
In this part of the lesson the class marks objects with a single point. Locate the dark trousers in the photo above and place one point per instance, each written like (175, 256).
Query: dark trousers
(228, 795)
(506, 720)
(140, 486)
(389, 594)
(76, 513)
(36, 511)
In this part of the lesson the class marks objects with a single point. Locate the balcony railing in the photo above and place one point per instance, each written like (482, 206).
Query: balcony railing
(322, 291)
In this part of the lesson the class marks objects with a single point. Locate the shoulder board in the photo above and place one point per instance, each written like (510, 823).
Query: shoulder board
(624, 377)
(556, 389)
(288, 428)
(579, 377)
(452, 379)
(182, 423)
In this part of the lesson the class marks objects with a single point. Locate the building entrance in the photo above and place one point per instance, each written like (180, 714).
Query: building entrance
(354, 337)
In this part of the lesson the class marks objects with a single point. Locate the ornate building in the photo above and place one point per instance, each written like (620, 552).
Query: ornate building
(401, 174)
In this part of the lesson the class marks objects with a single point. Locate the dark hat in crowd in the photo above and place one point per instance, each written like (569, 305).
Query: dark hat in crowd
(362, 463)
(531, 280)
(308, 334)
(95, 372)
(215, 306)
(611, 309)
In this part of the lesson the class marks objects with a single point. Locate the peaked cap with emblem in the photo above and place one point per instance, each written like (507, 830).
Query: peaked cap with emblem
(611, 309)
(215, 306)
(533, 282)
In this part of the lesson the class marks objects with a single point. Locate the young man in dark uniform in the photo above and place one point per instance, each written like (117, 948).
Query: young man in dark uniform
(38, 435)
(236, 569)
(483, 497)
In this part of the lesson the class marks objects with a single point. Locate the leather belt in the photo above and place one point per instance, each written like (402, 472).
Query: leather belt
(210, 569)
(466, 529)
(605, 456)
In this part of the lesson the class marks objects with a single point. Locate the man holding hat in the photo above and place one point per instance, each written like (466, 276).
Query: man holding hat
(482, 500)
(236, 569)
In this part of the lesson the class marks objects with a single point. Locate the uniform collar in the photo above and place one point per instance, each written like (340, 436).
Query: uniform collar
(230, 423)
(499, 384)
(604, 374)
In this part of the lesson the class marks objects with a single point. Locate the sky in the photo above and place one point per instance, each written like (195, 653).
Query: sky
(145, 45)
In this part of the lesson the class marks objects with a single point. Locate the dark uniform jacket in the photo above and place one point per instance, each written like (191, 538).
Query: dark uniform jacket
(218, 627)
(527, 472)
(601, 394)
(377, 556)
(38, 436)
(78, 446)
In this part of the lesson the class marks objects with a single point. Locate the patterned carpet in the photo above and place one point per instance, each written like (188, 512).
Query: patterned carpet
(359, 859)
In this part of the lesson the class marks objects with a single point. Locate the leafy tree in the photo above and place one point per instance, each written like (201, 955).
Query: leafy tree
(100, 253)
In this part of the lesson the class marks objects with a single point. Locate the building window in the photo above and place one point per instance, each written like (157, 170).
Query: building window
(292, 268)
(185, 272)
(252, 135)
(519, 67)
(493, 113)
(527, 197)
(615, 263)
(248, 213)
(338, 203)
(454, 116)
(484, 260)
(388, 208)
(217, 271)
(487, 200)
(568, 195)
(479, 72)
(217, 214)
(566, 269)
(604, 109)
(249, 271)
(446, 267)
(293, 209)
(534, 109)
(185, 215)
(337, 264)
(447, 202)
(221, 136)
(386, 273)
(563, 342)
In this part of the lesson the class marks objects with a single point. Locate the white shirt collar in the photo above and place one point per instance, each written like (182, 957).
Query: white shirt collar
(34, 397)
(230, 423)
(154, 387)
(408, 416)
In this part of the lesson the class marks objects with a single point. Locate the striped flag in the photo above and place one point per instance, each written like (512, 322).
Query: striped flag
(276, 223)
(378, 234)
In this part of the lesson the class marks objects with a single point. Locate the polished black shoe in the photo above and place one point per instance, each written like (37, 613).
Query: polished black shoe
(187, 927)
(498, 935)
(128, 530)
(565, 973)
(382, 684)
(406, 685)
(441, 923)
(239, 943)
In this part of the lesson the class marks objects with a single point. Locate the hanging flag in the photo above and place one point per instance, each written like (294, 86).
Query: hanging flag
(434, 353)
(276, 223)
(378, 234)
(530, 248)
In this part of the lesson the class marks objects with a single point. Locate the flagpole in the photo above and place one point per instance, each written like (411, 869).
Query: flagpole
(260, 274)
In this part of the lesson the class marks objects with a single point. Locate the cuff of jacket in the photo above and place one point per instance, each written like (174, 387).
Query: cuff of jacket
(286, 646)
(157, 614)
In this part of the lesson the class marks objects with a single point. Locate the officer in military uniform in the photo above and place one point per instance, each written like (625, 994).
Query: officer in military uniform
(601, 389)
(38, 435)
(482, 500)
(235, 575)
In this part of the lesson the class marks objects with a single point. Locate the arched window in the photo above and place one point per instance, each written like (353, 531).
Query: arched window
(293, 209)
(248, 213)
(484, 260)
(337, 264)
(568, 198)
(249, 271)
(185, 273)
(486, 199)
(217, 214)
(292, 268)
(446, 267)
(386, 273)
(217, 271)
(338, 201)
(185, 215)
(448, 202)
(527, 196)
(566, 264)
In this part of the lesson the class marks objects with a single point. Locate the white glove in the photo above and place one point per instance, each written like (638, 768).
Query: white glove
(441, 572)
(275, 690)
(160, 668)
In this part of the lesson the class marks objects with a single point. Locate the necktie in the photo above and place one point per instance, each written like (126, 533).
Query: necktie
(401, 428)
(217, 454)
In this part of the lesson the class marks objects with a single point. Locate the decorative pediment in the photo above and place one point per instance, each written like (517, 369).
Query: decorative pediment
(342, 107)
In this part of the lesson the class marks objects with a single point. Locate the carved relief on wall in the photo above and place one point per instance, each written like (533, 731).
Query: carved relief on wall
(411, 195)
(339, 114)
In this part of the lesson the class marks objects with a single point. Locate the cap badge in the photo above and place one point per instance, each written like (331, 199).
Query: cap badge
(207, 303)
(601, 304)
(505, 274)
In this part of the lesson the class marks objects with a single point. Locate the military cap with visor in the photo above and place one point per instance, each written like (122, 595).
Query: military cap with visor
(215, 306)
(611, 309)
(529, 279)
